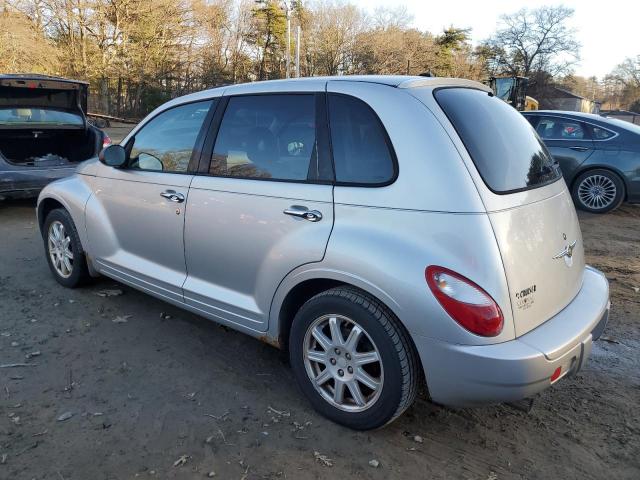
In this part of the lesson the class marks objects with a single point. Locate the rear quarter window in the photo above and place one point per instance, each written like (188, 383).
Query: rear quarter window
(503, 145)
(362, 151)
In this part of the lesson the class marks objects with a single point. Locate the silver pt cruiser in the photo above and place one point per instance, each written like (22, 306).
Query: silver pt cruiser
(383, 230)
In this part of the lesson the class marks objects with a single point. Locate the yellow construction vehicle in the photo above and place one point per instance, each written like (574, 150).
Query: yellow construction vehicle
(513, 90)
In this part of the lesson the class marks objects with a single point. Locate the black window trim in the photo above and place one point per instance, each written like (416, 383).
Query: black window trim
(196, 151)
(326, 163)
(322, 156)
(496, 192)
(387, 140)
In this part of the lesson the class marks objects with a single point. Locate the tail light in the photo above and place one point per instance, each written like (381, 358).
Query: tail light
(465, 302)
(106, 141)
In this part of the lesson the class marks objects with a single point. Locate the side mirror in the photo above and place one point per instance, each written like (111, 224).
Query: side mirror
(149, 162)
(113, 156)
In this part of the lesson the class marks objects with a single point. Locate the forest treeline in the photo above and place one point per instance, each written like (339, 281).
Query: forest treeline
(137, 54)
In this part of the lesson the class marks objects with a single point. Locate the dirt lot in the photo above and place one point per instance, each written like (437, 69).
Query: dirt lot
(117, 131)
(166, 385)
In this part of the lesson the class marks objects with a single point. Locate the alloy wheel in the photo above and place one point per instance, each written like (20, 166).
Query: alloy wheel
(343, 363)
(60, 251)
(597, 192)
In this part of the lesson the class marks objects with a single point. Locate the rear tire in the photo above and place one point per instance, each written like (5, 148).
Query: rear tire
(64, 252)
(598, 191)
(371, 361)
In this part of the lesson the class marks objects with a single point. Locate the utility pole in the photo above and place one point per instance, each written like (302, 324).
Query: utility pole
(288, 39)
(298, 38)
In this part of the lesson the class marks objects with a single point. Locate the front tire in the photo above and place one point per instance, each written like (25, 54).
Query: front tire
(598, 191)
(64, 252)
(353, 359)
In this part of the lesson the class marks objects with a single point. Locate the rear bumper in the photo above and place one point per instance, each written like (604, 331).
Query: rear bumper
(463, 375)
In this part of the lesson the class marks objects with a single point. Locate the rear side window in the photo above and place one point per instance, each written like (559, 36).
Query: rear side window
(361, 152)
(501, 142)
(598, 133)
(553, 128)
(266, 137)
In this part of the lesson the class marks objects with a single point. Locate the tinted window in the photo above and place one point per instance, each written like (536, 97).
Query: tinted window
(360, 150)
(166, 142)
(552, 128)
(532, 119)
(598, 133)
(266, 136)
(500, 141)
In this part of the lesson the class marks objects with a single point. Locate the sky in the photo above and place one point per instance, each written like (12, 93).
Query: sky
(607, 29)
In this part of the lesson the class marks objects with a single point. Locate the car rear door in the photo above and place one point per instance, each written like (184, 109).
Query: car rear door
(568, 140)
(261, 207)
(135, 219)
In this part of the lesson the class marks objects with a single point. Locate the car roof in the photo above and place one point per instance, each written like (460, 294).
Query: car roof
(306, 84)
(400, 81)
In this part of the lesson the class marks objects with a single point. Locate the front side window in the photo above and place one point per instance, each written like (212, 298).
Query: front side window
(166, 142)
(361, 154)
(552, 128)
(506, 151)
(267, 137)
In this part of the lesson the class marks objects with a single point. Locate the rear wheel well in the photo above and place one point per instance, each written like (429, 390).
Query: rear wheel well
(45, 207)
(297, 297)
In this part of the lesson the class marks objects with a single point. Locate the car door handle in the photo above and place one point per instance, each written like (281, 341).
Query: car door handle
(580, 149)
(303, 212)
(173, 196)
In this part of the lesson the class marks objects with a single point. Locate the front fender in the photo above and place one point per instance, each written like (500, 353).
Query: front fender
(72, 193)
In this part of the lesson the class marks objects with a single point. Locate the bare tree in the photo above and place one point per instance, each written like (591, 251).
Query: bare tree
(24, 48)
(629, 71)
(622, 85)
(388, 17)
(531, 41)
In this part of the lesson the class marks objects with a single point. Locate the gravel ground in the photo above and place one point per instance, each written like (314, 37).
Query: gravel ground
(161, 393)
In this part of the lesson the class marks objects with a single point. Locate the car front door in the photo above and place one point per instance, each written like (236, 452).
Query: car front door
(135, 219)
(568, 140)
(263, 207)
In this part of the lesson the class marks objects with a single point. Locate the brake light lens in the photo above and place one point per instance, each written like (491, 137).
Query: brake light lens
(465, 302)
(106, 141)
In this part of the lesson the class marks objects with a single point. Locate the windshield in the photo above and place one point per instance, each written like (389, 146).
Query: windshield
(39, 116)
(502, 144)
(503, 88)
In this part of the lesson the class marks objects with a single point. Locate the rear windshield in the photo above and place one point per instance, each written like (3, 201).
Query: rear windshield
(38, 116)
(502, 144)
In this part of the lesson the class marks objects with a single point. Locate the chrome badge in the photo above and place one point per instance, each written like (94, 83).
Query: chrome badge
(567, 252)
